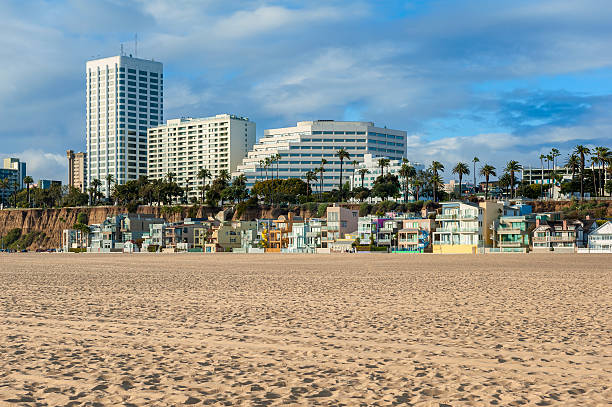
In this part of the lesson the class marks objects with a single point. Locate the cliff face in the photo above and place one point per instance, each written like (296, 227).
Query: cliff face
(53, 221)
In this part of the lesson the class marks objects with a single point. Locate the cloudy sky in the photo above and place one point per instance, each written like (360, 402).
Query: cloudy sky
(501, 80)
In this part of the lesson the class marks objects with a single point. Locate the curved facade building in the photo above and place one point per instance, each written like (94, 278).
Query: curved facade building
(301, 149)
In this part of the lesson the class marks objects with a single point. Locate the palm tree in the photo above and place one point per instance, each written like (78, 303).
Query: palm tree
(203, 173)
(475, 160)
(554, 153)
(603, 156)
(321, 171)
(310, 177)
(261, 165)
(487, 171)
(382, 163)
(417, 184)
(109, 180)
(461, 169)
(277, 159)
(573, 163)
(267, 163)
(342, 154)
(581, 151)
(436, 180)
(542, 158)
(354, 162)
(406, 171)
(224, 175)
(511, 167)
(4, 185)
(594, 162)
(436, 167)
(15, 187)
(170, 175)
(96, 184)
(363, 172)
(28, 180)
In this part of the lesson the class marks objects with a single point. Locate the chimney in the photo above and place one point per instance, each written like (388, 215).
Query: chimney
(564, 224)
(537, 222)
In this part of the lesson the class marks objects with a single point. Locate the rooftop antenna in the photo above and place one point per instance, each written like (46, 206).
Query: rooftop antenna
(136, 45)
(122, 54)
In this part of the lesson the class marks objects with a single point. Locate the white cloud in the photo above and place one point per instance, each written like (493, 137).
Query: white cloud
(43, 165)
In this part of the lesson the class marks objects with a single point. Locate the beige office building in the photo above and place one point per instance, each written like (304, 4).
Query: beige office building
(77, 170)
(184, 146)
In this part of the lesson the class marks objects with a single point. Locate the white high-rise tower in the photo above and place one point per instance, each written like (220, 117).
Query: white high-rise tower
(124, 98)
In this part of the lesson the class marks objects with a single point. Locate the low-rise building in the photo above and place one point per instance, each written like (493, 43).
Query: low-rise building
(513, 233)
(415, 236)
(458, 228)
(600, 240)
(111, 234)
(562, 236)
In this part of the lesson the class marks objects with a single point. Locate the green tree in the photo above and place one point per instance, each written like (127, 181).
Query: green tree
(487, 171)
(460, 170)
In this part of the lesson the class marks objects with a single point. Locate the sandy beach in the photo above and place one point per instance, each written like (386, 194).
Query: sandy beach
(146, 329)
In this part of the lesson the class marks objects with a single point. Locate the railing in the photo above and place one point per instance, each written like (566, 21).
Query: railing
(509, 230)
(554, 239)
(457, 230)
(456, 217)
(510, 244)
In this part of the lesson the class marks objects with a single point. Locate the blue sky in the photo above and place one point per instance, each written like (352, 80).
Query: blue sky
(501, 80)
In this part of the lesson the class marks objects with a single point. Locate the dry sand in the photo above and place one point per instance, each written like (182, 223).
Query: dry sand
(305, 329)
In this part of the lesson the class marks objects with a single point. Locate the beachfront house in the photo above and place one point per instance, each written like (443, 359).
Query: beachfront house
(415, 236)
(560, 236)
(513, 233)
(600, 240)
(339, 221)
(114, 231)
(458, 228)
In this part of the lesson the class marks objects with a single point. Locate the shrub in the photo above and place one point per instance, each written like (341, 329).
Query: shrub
(365, 209)
(322, 210)
(152, 248)
(12, 236)
(82, 218)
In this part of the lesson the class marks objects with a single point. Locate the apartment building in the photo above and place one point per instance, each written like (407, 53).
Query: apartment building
(184, 146)
(19, 166)
(302, 147)
(77, 170)
(124, 98)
